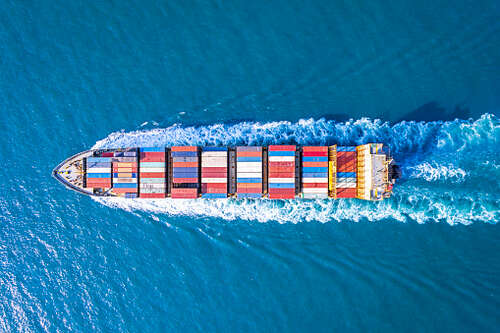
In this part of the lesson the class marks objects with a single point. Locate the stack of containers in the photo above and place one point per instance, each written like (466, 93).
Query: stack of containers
(152, 173)
(315, 172)
(125, 173)
(185, 172)
(98, 172)
(214, 172)
(249, 172)
(281, 172)
(346, 172)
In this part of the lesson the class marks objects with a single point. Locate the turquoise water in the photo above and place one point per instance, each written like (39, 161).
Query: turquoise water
(422, 77)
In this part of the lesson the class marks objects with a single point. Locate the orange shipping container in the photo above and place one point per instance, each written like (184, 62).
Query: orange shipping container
(184, 148)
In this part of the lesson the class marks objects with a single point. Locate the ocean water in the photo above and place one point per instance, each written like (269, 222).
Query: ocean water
(424, 78)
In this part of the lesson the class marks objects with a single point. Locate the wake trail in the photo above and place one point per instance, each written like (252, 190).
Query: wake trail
(450, 169)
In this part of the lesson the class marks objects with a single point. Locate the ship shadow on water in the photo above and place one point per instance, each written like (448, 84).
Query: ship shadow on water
(432, 111)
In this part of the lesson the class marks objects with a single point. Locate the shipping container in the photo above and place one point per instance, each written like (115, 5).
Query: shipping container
(249, 190)
(125, 175)
(281, 196)
(314, 159)
(249, 195)
(185, 180)
(315, 164)
(246, 149)
(152, 175)
(214, 195)
(185, 159)
(124, 180)
(314, 180)
(281, 158)
(98, 170)
(143, 185)
(153, 149)
(152, 164)
(152, 195)
(99, 175)
(249, 174)
(119, 190)
(124, 185)
(314, 196)
(249, 154)
(281, 153)
(346, 193)
(280, 147)
(315, 148)
(184, 154)
(214, 180)
(282, 180)
(152, 190)
(110, 154)
(152, 180)
(184, 148)
(314, 153)
(315, 185)
(281, 175)
(281, 185)
(281, 164)
(315, 190)
(98, 159)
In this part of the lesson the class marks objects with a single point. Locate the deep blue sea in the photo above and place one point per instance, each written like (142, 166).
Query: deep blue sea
(421, 76)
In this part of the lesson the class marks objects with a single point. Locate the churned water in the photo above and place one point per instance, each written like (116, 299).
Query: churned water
(424, 78)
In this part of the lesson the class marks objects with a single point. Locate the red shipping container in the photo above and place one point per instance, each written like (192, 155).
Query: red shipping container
(214, 169)
(281, 174)
(185, 190)
(249, 185)
(98, 184)
(184, 196)
(315, 164)
(346, 193)
(107, 154)
(153, 159)
(315, 148)
(281, 196)
(282, 190)
(281, 164)
(315, 185)
(94, 181)
(206, 186)
(282, 169)
(152, 174)
(249, 154)
(185, 180)
(315, 153)
(152, 195)
(215, 190)
(124, 190)
(152, 154)
(185, 164)
(249, 190)
(281, 147)
(184, 148)
(124, 170)
(213, 175)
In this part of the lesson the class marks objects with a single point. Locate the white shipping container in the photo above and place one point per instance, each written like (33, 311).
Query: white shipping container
(248, 164)
(214, 180)
(346, 185)
(213, 158)
(250, 169)
(346, 180)
(314, 196)
(281, 158)
(315, 190)
(214, 164)
(282, 180)
(152, 190)
(142, 170)
(214, 153)
(142, 186)
(124, 180)
(314, 180)
(98, 170)
(249, 174)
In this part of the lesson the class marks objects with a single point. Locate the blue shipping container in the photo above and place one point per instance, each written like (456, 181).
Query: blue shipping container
(281, 153)
(98, 159)
(185, 175)
(249, 195)
(214, 148)
(125, 185)
(184, 153)
(346, 148)
(249, 159)
(99, 165)
(98, 175)
(315, 159)
(153, 149)
(214, 195)
(346, 174)
(249, 180)
(314, 175)
(184, 169)
(281, 185)
(314, 169)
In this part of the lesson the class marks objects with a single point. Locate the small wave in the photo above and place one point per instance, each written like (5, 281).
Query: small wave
(443, 154)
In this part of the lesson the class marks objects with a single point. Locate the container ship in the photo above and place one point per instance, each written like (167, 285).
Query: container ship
(364, 172)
